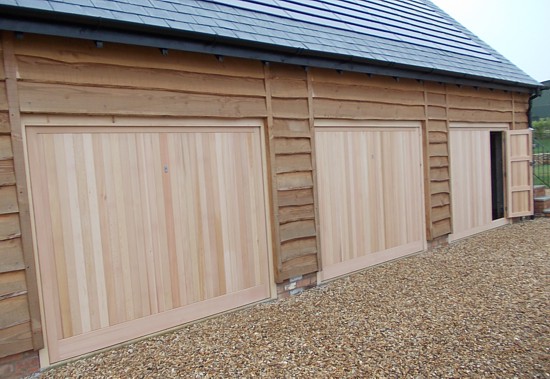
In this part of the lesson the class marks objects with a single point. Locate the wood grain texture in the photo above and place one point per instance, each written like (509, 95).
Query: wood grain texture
(471, 183)
(296, 213)
(291, 128)
(9, 226)
(7, 172)
(293, 163)
(298, 248)
(11, 255)
(62, 98)
(6, 151)
(295, 197)
(15, 339)
(21, 176)
(337, 109)
(14, 311)
(12, 284)
(81, 52)
(367, 94)
(359, 217)
(520, 173)
(40, 70)
(157, 221)
(4, 122)
(8, 200)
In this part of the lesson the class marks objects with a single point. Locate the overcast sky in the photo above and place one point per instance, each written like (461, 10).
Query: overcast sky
(518, 29)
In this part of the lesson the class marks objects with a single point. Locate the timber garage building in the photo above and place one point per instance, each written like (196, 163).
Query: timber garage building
(162, 161)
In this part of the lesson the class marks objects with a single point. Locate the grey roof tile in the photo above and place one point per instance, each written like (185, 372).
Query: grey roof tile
(405, 32)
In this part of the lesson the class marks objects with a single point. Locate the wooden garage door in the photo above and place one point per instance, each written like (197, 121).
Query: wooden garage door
(371, 205)
(471, 186)
(142, 229)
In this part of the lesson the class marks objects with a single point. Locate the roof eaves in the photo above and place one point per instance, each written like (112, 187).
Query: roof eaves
(97, 28)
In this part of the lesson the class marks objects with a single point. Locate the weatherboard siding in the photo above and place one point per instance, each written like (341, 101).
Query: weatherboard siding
(73, 77)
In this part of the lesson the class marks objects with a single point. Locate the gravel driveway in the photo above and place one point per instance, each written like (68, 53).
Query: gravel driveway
(479, 308)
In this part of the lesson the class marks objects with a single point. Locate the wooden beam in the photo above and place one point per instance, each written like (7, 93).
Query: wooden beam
(10, 67)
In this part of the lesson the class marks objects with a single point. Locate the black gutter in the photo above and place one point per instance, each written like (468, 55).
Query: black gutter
(110, 31)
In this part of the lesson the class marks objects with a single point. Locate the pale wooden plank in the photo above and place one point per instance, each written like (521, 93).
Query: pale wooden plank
(298, 248)
(288, 88)
(9, 226)
(487, 104)
(290, 128)
(437, 126)
(297, 229)
(320, 75)
(7, 172)
(8, 200)
(281, 71)
(84, 52)
(295, 197)
(15, 339)
(289, 108)
(11, 255)
(439, 161)
(438, 150)
(519, 173)
(55, 98)
(296, 213)
(291, 145)
(439, 187)
(6, 151)
(437, 137)
(478, 116)
(3, 98)
(296, 266)
(12, 284)
(482, 93)
(435, 112)
(294, 180)
(436, 98)
(292, 163)
(439, 173)
(441, 213)
(441, 228)
(324, 108)
(440, 199)
(14, 311)
(50, 71)
(367, 94)
(4, 121)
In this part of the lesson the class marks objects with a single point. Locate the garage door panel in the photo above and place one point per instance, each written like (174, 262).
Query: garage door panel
(135, 224)
(370, 196)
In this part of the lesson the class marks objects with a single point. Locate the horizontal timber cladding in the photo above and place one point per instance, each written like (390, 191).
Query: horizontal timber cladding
(293, 173)
(15, 317)
(144, 228)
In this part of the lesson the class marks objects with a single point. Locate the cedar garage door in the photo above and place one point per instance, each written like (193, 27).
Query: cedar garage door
(371, 206)
(140, 229)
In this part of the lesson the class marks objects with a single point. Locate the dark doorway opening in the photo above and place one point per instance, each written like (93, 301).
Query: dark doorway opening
(497, 175)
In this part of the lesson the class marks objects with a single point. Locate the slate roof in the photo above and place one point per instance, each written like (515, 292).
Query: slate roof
(412, 34)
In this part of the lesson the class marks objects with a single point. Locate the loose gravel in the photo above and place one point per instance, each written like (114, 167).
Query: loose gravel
(477, 308)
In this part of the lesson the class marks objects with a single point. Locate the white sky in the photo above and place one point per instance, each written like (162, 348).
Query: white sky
(518, 29)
